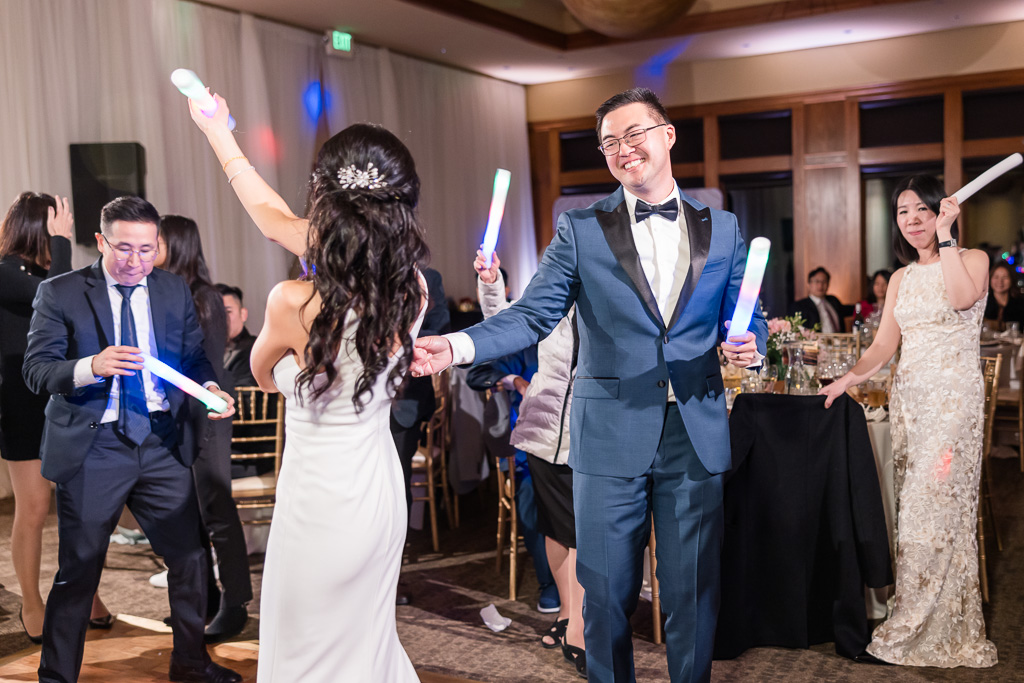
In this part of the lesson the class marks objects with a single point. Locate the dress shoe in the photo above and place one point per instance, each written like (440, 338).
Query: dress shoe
(102, 622)
(38, 640)
(867, 658)
(402, 598)
(211, 673)
(228, 623)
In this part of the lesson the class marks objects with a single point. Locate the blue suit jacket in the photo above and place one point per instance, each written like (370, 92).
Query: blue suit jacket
(72, 319)
(628, 352)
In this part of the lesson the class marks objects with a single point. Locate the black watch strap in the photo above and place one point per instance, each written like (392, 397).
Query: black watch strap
(947, 243)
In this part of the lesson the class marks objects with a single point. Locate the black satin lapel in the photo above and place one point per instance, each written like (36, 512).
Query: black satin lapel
(698, 232)
(617, 233)
(99, 299)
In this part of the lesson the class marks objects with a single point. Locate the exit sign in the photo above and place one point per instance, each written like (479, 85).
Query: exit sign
(338, 43)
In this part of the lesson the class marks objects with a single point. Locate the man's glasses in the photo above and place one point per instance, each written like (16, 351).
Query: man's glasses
(123, 252)
(637, 137)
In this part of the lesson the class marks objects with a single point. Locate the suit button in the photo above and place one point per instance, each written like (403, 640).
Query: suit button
(661, 384)
(665, 340)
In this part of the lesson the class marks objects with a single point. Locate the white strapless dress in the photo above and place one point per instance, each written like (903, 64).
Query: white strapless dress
(327, 611)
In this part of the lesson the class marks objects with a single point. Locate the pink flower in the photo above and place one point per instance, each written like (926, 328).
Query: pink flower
(777, 325)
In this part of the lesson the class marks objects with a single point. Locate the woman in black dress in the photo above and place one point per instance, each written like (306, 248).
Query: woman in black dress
(1004, 305)
(35, 244)
(181, 252)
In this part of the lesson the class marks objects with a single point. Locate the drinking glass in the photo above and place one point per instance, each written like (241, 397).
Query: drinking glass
(769, 375)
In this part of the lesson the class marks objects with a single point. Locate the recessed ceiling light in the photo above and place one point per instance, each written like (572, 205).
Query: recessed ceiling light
(444, 51)
(848, 31)
(746, 44)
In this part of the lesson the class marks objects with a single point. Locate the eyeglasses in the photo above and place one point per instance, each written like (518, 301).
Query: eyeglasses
(123, 252)
(637, 137)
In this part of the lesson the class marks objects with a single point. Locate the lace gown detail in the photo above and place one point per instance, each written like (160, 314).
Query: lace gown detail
(937, 429)
(327, 610)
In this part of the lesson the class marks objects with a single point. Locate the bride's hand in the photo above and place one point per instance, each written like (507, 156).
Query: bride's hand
(430, 356)
(210, 124)
(833, 391)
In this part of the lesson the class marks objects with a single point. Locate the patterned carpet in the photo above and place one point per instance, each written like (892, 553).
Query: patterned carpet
(444, 635)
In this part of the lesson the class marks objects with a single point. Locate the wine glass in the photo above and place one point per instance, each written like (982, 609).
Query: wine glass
(769, 375)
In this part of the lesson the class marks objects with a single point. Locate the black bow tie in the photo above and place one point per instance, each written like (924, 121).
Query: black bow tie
(669, 210)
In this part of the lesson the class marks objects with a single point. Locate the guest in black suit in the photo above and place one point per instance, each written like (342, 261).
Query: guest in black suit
(820, 306)
(414, 403)
(1004, 304)
(35, 244)
(240, 340)
(117, 435)
(181, 252)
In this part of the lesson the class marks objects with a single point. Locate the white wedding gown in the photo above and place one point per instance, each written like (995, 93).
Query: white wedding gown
(327, 611)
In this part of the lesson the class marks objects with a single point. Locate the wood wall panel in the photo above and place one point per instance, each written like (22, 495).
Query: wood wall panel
(825, 238)
(824, 130)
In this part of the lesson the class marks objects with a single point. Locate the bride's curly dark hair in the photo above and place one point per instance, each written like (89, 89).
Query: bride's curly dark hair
(363, 247)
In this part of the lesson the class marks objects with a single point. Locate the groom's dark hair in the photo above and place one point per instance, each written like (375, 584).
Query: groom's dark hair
(632, 96)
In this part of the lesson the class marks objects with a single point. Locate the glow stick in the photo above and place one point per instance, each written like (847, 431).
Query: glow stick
(750, 288)
(502, 180)
(987, 177)
(191, 87)
(169, 374)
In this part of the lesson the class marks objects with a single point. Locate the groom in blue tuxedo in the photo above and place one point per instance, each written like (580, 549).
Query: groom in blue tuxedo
(654, 275)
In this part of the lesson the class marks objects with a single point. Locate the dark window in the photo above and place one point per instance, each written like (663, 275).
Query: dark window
(763, 134)
(593, 188)
(914, 121)
(689, 147)
(993, 113)
(579, 150)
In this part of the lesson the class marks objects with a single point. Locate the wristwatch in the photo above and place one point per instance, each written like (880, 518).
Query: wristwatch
(951, 242)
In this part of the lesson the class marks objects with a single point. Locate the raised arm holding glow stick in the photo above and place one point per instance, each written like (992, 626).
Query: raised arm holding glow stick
(987, 177)
(169, 374)
(750, 287)
(502, 180)
(191, 87)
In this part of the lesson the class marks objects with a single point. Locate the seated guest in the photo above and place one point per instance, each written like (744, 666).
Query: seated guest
(875, 301)
(240, 341)
(821, 307)
(1005, 304)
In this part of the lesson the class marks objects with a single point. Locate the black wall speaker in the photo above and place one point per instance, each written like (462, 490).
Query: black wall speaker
(101, 172)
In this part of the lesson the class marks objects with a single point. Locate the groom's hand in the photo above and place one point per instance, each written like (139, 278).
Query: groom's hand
(430, 356)
(117, 360)
(741, 350)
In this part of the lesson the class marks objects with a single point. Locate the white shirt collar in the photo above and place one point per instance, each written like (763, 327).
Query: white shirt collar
(632, 199)
(111, 282)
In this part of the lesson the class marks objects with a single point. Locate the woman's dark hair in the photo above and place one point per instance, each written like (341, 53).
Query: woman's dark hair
(872, 299)
(185, 259)
(1010, 273)
(931, 192)
(363, 245)
(23, 232)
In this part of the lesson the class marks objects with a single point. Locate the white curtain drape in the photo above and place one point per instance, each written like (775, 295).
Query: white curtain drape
(74, 71)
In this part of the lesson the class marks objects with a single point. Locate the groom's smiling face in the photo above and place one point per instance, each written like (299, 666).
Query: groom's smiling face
(644, 170)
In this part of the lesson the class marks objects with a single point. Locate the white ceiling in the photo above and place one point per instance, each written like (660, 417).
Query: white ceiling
(442, 38)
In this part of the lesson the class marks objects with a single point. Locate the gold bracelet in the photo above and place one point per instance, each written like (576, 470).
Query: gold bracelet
(225, 166)
(250, 167)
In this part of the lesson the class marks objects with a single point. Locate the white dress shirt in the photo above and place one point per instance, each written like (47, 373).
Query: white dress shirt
(156, 400)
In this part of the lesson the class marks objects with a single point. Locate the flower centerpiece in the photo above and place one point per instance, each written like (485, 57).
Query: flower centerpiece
(782, 331)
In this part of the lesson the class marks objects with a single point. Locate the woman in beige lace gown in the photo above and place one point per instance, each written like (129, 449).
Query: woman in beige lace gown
(937, 423)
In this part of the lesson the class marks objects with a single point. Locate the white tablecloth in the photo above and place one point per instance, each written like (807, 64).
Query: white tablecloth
(881, 444)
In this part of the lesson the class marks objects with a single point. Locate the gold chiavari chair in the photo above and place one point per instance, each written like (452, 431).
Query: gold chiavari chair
(508, 515)
(431, 459)
(257, 433)
(845, 343)
(990, 370)
(1012, 400)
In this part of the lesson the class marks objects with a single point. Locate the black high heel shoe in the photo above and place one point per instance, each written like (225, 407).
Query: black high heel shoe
(577, 657)
(38, 640)
(106, 622)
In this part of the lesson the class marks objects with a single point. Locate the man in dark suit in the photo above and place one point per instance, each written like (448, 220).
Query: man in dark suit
(820, 307)
(240, 340)
(115, 434)
(655, 276)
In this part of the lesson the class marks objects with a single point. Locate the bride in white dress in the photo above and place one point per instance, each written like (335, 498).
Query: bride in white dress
(336, 345)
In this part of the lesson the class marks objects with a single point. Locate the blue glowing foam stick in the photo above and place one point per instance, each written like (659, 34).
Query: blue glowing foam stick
(169, 374)
(750, 288)
(502, 180)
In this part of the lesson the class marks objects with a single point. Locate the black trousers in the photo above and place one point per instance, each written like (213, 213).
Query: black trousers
(407, 440)
(212, 472)
(159, 491)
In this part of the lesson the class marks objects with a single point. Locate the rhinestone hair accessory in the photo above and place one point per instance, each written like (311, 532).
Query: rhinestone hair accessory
(352, 178)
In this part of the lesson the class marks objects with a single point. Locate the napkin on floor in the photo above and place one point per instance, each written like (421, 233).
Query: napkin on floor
(493, 620)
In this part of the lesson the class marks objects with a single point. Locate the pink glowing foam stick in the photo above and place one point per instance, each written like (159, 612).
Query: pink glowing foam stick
(987, 177)
(169, 374)
(750, 287)
(502, 180)
(191, 87)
